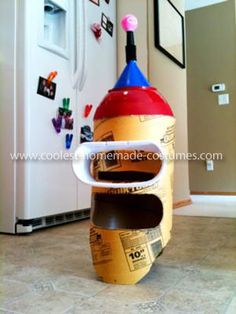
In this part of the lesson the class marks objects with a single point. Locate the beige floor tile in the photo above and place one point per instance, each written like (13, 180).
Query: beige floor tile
(209, 281)
(50, 302)
(77, 285)
(4, 311)
(183, 257)
(11, 290)
(162, 277)
(27, 274)
(232, 307)
(104, 306)
(152, 287)
(221, 259)
(185, 301)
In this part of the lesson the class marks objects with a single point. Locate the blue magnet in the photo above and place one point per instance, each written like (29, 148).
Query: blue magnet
(69, 138)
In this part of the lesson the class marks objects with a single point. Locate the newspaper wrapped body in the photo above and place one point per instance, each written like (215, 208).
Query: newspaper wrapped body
(123, 252)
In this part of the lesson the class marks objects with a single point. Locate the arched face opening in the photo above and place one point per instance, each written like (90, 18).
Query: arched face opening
(126, 211)
(125, 166)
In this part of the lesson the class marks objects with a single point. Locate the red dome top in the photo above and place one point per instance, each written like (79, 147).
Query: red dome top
(132, 101)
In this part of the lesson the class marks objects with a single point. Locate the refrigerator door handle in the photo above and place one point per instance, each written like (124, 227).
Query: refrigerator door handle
(80, 64)
(85, 50)
(73, 36)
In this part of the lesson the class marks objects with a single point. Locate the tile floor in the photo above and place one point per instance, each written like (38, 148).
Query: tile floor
(50, 271)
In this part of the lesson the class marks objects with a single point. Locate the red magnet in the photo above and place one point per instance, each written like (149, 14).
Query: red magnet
(87, 110)
(97, 30)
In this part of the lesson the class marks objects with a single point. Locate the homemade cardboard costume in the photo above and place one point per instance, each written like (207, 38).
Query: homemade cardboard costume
(131, 216)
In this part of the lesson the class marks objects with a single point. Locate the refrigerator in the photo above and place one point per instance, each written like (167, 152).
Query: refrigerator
(38, 38)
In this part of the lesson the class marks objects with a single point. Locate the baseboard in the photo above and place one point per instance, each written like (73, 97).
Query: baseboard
(213, 193)
(182, 203)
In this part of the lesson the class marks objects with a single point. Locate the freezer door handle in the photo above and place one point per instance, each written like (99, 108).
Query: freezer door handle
(73, 35)
(80, 49)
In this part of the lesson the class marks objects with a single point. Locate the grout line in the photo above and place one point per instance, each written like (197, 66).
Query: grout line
(97, 294)
(75, 294)
(71, 307)
(10, 311)
(228, 303)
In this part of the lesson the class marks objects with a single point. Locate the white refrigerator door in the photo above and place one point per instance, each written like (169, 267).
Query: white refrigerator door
(99, 71)
(45, 187)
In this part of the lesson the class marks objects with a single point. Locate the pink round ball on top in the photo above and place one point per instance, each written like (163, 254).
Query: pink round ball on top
(129, 23)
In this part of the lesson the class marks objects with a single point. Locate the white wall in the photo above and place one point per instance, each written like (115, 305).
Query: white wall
(139, 8)
(163, 74)
(171, 81)
(194, 4)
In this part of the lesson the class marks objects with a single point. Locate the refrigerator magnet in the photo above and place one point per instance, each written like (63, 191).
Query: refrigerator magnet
(97, 30)
(46, 86)
(107, 24)
(110, 27)
(104, 21)
(97, 2)
(68, 142)
(86, 134)
(46, 89)
(66, 103)
(88, 108)
(57, 124)
(68, 123)
(64, 112)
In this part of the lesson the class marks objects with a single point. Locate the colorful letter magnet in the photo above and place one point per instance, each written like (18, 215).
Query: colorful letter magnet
(87, 110)
(69, 138)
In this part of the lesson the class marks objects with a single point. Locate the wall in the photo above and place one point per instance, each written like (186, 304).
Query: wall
(170, 80)
(211, 55)
(138, 8)
(193, 4)
(164, 74)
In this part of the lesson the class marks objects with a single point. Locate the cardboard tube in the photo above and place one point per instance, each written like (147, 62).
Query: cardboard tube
(123, 255)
